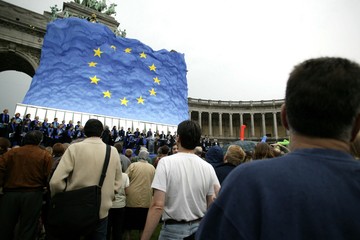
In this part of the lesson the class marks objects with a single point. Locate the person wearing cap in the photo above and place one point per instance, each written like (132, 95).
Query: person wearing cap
(313, 192)
(215, 156)
(184, 186)
(139, 193)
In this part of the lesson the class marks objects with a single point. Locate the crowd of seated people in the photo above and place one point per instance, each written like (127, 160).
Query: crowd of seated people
(136, 139)
(54, 132)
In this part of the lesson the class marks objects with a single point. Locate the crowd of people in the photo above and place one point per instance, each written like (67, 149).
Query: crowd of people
(16, 127)
(195, 188)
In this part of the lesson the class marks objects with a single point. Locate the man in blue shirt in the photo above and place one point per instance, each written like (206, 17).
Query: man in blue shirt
(313, 192)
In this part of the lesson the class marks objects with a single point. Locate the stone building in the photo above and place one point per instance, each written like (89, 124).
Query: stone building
(222, 120)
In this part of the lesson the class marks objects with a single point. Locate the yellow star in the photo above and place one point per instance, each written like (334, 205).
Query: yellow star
(92, 64)
(97, 52)
(94, 79)
(127, 50)
(152, 68)
(156, 80)
(152, 92)
(107, 94)
(124, 101)
(140, 100)
(142, 55)
(113, 47)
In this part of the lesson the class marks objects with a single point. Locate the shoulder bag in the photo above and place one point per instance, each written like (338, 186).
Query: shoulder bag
(76, 212)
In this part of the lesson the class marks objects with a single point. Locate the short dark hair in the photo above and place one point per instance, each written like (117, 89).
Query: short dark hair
(189, 133)
(119, 147)
(163, 149)
(322, 97)
(58, 149)
(4, 145)
(93, 128)
(33, 138)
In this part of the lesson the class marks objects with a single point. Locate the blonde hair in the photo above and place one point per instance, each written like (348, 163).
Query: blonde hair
(235, 155)
(128, 152)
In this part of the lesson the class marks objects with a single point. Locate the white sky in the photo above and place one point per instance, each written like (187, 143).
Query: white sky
(236, 49)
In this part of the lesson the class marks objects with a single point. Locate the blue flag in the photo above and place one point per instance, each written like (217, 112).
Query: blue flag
(84, 67)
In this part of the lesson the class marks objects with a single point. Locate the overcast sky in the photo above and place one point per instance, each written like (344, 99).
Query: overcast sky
(236, 49)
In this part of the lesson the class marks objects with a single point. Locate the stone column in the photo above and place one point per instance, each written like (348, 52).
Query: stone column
(200, 118)
(275, 126)
(220, 124)
(263, 124)
(241, 123)
(210, 124)
(231, 124)
(252, 124)
(190, 115)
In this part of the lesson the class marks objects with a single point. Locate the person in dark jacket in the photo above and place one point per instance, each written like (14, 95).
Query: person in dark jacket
(313, 191)
(106, 136)
(214, 156)
(234, 156)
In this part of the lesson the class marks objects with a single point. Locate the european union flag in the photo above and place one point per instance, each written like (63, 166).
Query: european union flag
(84, 67)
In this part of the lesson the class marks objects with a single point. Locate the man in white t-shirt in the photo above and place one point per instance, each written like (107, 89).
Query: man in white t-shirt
(184, 187)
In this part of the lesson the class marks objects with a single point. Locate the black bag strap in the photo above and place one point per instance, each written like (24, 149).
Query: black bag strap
(106, 163)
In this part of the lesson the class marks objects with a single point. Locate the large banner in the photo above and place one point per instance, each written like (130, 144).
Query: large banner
(85, 67)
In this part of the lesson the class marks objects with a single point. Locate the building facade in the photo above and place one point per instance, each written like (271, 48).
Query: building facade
(222, 120)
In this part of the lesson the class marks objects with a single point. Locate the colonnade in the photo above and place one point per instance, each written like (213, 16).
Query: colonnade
(223, 119)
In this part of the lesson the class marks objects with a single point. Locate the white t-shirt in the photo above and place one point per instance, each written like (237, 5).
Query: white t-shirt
(120, 197)
(186, 180)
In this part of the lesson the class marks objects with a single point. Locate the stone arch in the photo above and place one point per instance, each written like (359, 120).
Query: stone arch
(17, 61)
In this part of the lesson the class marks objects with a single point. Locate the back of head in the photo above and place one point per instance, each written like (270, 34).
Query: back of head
(128, 152)
(198, 150)
(4, 145)
(163, 150)
(143, 155)
(93, 128)
(58, 149)
(119, 147)
(214, 155)
(322, 98)
(235, 155)
(49, 149)
(33, 138)
(263, 150)
(189, 133)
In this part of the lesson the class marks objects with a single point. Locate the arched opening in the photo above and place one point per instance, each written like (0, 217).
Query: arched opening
(16, 61)
(14, 86)
(16, 72)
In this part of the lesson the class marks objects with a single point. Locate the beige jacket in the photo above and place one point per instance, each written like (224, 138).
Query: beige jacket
(82, 164)
(139, 193)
